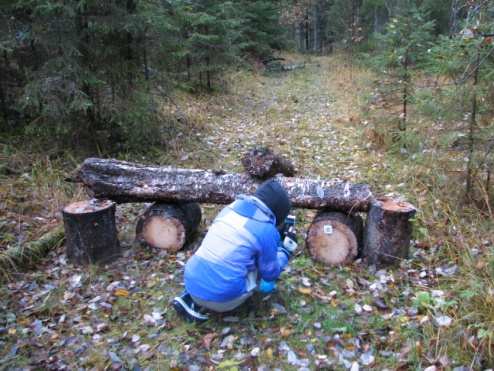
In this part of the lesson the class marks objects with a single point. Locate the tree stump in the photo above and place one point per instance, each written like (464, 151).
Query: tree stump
(388, 231)
(335, 238)
(168, 226)
(90, 232)
(262, 163)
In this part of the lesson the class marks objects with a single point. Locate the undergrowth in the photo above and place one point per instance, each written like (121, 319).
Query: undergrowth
(423, 165)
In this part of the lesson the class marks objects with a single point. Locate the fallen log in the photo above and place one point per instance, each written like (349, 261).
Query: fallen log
(168, 226)
(262, 163)
(129, 182)
(335, 238)
(31, 252)
(90, 232)
(388, 231)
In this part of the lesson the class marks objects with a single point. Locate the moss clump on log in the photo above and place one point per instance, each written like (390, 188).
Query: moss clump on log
(31, 252)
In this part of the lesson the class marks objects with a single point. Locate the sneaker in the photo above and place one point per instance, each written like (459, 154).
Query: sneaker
(185, 306)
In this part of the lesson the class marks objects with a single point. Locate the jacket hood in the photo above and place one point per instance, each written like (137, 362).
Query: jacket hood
(274, 196)
(253, 208)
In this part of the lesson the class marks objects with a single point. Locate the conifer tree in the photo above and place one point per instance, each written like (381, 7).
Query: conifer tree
(405, 42)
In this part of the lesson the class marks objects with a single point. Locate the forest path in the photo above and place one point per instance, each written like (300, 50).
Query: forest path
(300, 114)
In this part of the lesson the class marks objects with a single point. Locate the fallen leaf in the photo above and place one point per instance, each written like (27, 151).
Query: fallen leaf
(443, 321)
(285, 332)
(255, 352)
(208, 339)
(121, 293)
(305, 290)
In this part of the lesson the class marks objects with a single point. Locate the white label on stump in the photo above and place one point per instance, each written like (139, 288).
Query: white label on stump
(328, 229)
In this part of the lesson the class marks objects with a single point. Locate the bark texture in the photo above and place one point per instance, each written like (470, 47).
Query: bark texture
(262, 163)
(129, 182)
(168, 226)
(335, 238)
(90, 232)
(388, 232)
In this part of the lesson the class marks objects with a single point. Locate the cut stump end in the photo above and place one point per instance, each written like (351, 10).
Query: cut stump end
(87, 206)
(167, 234)
(334, 238)
(390, 204)
(168, 226)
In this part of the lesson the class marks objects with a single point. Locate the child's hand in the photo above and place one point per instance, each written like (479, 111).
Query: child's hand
(267, 287)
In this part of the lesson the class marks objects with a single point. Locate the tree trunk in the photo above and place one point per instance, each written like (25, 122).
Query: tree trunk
(471, 132)
(83, 47)
(208, 64)
(376, 20)
(90, 232)
(388, 231)
(168, 226)
(315, 21)
(145, 57)
(301, 34)
(453, 18)
(3, 101)
(335, 238)
(189, 65)
(128, 182)
(131, 8)
(262, 163)
(307, 30)
(208, 73)
(406, 81)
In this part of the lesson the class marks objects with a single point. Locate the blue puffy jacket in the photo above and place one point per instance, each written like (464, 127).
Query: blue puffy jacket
(242, 238)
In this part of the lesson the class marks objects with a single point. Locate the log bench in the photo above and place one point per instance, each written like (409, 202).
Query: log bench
(336, 236)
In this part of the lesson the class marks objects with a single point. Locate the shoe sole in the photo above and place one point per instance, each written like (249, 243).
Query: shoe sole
(181, 307)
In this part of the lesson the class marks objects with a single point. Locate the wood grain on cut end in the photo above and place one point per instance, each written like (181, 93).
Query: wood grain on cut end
(168, 234)
(390, 204)
(87, 206)
(168, 226)
(340, 246)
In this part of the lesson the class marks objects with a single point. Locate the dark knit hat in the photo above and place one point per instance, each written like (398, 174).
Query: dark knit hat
(275, 197)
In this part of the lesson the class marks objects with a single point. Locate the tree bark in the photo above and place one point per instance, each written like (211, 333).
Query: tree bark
(406, 82)
(128, 182)
(168, 226)
(388, 231)
(3, 97)
(335, 238)
(90, 232)
(472, 130)
(307, 30)
(315, 15)
(262, 163)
